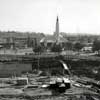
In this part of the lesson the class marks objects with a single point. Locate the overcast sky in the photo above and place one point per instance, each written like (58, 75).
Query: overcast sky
(40, 15)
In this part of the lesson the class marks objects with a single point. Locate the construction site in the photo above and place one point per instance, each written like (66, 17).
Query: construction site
(46, 77)
(40, 62)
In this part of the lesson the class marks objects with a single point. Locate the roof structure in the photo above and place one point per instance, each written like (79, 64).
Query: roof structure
(52, 39)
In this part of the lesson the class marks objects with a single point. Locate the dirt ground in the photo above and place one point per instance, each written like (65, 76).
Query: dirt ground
(9, 92)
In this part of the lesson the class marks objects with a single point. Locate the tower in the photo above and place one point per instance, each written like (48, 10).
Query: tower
(56, 34)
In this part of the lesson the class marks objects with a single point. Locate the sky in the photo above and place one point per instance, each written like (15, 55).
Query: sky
(75, 16)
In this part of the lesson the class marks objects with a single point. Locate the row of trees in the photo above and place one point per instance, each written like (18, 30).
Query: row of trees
(69, 46)
(58, 48)
(55, 48)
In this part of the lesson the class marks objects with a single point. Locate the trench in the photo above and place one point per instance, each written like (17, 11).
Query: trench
(84, 68)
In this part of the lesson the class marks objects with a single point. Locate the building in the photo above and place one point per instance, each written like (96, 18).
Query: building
(20, 40)
(57, 38)
(87, 49)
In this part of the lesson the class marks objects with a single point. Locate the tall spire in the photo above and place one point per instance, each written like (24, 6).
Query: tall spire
(56, 34)
(57, 18)
(57, 25)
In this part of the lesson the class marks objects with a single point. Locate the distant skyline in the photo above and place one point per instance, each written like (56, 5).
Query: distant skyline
(75, 16)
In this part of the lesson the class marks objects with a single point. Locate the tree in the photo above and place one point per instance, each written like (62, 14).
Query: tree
(69, 46)
(30, 42)
(96, 45)
(38, 49)
(78, 46)
(56, 48)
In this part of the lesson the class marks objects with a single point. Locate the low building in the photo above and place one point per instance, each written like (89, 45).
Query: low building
(87, 49)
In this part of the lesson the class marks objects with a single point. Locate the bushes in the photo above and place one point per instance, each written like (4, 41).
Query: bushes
(56, 48)
(38, 49)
